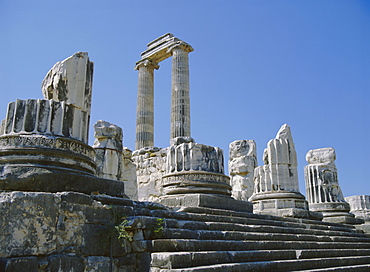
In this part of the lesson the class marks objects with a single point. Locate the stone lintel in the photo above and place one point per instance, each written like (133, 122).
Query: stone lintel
(162, 39)
(158, 49)
(206, 201)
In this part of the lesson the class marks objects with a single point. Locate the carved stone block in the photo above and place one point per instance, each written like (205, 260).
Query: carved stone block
(322, 187)
(276, 189)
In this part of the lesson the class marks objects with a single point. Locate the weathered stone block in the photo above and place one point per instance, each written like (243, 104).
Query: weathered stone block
(102, 240)
(206, 200)
(65, 263)
(242, 161)
(29, 264)
(100, 263)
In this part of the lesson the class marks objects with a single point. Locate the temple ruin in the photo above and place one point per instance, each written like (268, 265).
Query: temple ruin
(68, 206)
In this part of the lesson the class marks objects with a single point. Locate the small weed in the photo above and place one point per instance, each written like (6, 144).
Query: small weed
(158, 228)
(123, 231)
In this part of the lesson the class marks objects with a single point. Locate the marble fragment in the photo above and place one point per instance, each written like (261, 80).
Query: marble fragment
(276, 189)
(150, 167)
(242, 162)
(113, 161)
(70, 81)
(322, 187)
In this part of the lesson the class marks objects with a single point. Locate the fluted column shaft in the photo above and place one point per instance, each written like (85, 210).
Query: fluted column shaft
(145, 104)
(180, 101)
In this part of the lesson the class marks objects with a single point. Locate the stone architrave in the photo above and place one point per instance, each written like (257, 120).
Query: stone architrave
(70, 81)
(360, 207)
(322, 187)
(276, 189)
(242, 162)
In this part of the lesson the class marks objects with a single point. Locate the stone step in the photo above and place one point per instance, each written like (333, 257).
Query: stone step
(234, 214)
(193, 227)
(176, 245)
(192, 259)
(277, 265)
(349, 268)
(253, 220)
(172, 233)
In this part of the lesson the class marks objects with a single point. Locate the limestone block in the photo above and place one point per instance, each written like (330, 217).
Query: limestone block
(108, 147)
(99, 263)
(108, 135)
(113, 160)
(321, 155)
(129, 174)
(38, 224)
(242, 161)
(150, 167)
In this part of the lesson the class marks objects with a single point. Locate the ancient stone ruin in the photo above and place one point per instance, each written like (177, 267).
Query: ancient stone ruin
(242, 162)
(68, 206)
(323, 191)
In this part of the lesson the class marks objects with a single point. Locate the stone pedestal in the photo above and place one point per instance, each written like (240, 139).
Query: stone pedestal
(194, 178)
(322, 187)
(242, 161)
(276, 189)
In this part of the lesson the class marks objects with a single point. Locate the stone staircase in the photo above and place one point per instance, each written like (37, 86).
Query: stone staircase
(204, 239)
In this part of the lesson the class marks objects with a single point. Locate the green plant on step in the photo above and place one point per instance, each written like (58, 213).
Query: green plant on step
(158, 228)
(123, 230)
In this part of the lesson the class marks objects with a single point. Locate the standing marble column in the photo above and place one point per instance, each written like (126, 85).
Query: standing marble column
(180, 103)
(145, 104)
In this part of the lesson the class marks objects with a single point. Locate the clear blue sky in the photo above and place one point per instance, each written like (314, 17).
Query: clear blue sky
(256, 65)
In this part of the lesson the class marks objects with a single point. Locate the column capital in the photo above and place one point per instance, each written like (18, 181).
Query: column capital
(146, 63)
(180, 45)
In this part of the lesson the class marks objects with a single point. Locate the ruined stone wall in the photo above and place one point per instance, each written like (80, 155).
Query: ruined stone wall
(68, 232)
(150, 168)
